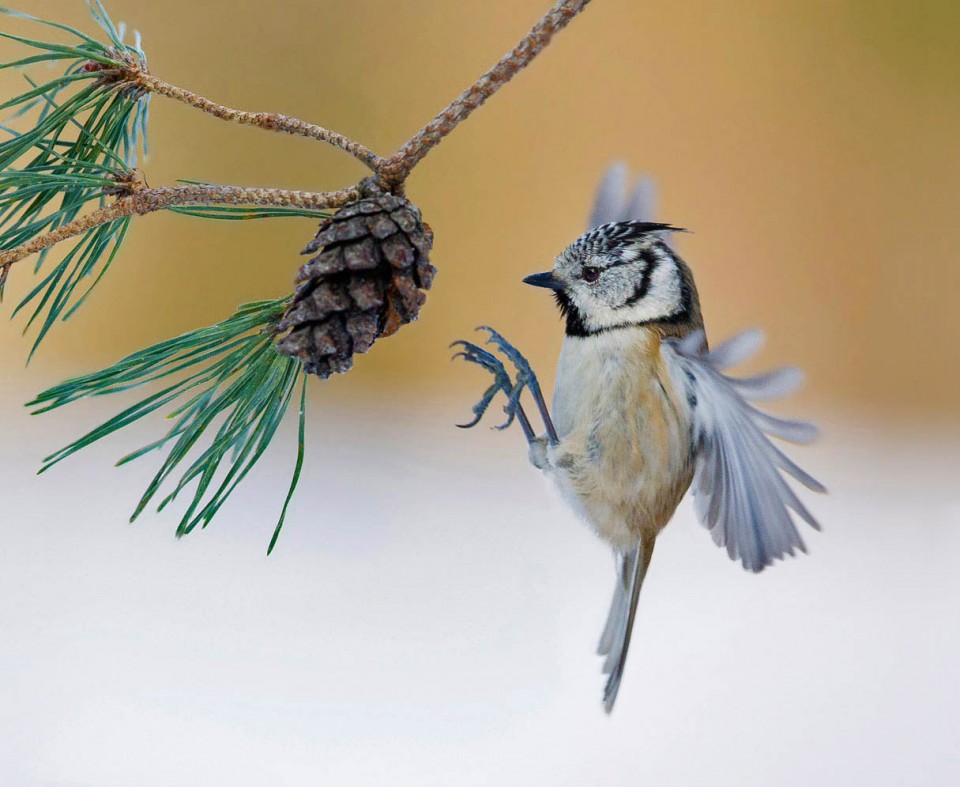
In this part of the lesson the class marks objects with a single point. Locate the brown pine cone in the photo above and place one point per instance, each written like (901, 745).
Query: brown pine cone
(371, 264)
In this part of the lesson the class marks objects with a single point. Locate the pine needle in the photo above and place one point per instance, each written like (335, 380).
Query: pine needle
(83, 130)
(247, 213)
(226, 383)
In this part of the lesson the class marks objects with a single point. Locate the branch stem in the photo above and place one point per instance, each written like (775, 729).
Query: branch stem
(394, 170)
(269, 121)
(146, 200)
(398, 167)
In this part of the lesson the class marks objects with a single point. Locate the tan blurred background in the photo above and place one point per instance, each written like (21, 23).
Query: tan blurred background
(812, 147)
(429, 615)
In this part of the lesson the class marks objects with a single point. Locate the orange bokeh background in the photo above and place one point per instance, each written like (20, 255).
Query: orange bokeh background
(810, 146)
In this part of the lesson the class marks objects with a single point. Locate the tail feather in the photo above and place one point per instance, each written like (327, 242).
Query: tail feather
(624, 569)
(615, 640)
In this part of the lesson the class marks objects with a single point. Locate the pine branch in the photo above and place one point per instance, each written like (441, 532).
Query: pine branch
(268, 121)
(144, 201)
(72, 177)
(399, 166)
(102, 232)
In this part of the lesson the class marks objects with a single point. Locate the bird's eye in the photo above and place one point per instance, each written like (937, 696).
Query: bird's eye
(591, 274)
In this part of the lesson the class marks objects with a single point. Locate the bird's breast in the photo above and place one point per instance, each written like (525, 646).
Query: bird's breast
(625, 455)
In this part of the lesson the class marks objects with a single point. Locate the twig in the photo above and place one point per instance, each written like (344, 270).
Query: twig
(398, 167)
(144, 201)
(394, 170)
(269, 121)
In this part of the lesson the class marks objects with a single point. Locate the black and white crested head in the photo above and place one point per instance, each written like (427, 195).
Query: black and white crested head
(622, 275)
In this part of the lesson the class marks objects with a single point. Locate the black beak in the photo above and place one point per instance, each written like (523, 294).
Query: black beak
(546, 280)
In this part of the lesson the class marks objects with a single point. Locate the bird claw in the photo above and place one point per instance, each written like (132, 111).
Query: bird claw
(526, 378)
(501, 379)
(524, 372)
(511, 388)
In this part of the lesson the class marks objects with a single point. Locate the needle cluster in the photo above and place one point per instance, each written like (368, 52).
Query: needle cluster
(85, 128)
(228, 382)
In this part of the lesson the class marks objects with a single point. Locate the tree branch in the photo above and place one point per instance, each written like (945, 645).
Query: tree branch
(269, 121)
(398, 167)
(145, 200)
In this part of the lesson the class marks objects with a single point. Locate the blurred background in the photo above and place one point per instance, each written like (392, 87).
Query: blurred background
(430, 612)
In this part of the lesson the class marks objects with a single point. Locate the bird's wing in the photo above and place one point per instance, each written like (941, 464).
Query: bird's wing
(615, 202)
(739, 492)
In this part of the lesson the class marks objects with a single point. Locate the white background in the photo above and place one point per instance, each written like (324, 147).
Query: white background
(430, 614)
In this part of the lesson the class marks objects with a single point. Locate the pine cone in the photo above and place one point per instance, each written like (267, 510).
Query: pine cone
(372, 263)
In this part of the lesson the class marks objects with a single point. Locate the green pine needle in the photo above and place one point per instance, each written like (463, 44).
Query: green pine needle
(248, 213)
(297, 469)
(82, 137)
(56, 296)
(225, 382)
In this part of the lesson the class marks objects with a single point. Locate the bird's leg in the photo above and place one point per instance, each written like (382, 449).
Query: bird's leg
(525, 378)
(501, 382)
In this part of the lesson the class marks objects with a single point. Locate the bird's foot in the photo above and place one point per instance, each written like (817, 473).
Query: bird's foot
(511, 387)
(526, 378)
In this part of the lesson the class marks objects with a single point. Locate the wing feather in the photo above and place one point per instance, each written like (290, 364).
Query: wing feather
(608, 205)
(735, 350)
(616, 201)
(784, 428)
(643, 201)
(740, 492)
(772, 385)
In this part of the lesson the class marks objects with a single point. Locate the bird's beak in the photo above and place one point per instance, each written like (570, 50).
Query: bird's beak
(546, 280)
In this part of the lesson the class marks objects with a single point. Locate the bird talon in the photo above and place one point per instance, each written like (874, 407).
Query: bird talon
(513, 403)
(472, 353)
(522, 365)
(511, 388)
(526, 378)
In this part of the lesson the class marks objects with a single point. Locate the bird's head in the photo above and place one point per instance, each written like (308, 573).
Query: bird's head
(621, 275)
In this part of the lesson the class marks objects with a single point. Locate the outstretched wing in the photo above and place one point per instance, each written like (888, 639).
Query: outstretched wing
(616, 202)
(739, 492)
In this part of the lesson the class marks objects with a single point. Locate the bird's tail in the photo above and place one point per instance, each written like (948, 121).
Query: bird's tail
(615, 640)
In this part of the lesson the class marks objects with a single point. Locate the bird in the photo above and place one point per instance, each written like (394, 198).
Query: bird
(643, 410)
